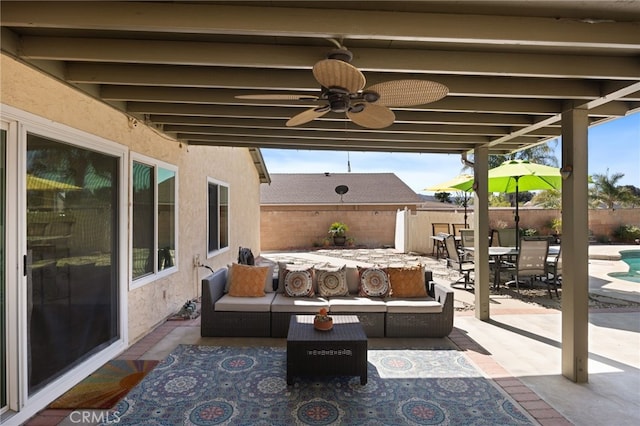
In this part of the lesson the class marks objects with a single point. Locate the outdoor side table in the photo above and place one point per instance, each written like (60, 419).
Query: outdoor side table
(341, 351)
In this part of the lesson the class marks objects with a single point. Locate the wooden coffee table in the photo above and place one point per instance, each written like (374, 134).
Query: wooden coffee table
(341, 351)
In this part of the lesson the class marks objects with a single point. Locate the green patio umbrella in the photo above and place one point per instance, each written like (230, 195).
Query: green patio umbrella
(465, 184)
(35, 183)
(519, 175)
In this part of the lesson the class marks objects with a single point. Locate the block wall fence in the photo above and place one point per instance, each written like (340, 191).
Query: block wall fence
(373, 226)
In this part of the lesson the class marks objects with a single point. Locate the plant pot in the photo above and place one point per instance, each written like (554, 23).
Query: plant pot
(323, 325)
(339, 241)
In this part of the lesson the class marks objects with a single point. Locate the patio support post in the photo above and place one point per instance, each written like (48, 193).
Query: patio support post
(481, 225)
(575, 247)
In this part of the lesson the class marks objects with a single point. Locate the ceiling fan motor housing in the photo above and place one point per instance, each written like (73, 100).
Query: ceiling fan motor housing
(339, 100)
(340, 54)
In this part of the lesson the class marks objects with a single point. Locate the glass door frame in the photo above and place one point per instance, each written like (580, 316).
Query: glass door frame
(21, 405)
(11, 321)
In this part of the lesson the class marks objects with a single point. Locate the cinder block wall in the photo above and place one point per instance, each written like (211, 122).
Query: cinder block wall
(302, 227)
(298, 227)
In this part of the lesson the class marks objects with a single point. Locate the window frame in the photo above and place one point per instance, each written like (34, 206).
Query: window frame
(219, 184)
(156, 274)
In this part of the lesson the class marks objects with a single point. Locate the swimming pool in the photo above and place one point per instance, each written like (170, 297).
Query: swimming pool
(632, 258)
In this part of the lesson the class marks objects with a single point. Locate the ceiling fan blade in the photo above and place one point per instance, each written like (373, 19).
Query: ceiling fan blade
(308, 115)
(372, 116)
(401, 93)
(278, 97)
(335, 73)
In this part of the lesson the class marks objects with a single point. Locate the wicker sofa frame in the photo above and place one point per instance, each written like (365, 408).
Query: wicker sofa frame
(276, 324)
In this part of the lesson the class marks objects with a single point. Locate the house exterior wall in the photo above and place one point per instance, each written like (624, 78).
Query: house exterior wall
(27, 89)
(299, 227)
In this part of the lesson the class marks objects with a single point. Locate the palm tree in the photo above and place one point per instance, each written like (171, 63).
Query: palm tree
(549, 199)
(541, 154)
(606, 190)
(443, 197)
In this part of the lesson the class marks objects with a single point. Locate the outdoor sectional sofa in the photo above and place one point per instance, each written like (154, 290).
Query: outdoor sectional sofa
(269, 315)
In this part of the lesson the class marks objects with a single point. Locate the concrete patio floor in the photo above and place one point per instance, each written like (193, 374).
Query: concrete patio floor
(519, 348)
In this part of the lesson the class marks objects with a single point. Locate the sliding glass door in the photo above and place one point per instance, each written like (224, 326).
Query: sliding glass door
(72, 241)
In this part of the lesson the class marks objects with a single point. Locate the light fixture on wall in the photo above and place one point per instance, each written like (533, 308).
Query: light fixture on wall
(566, 171)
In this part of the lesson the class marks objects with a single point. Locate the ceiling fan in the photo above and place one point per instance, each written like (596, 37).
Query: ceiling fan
(342, 91)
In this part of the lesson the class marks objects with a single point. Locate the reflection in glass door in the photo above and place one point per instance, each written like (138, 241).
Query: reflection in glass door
(3, 291)
(72, 228)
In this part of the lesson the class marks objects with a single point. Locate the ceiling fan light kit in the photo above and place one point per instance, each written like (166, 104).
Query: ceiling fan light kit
(342, 91)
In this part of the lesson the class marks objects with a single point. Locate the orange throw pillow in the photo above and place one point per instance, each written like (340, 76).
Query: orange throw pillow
(247, 281)
(407, 281)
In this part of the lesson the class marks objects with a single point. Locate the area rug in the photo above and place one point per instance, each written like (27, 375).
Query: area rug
(106, 386)
(211, 385)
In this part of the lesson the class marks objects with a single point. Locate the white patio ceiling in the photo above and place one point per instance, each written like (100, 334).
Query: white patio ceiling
(511, 67)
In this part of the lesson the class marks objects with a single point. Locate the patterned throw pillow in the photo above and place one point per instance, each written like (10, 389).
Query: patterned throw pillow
(299, 283)
(332, 282)
(247, 281)
(374, 282)
(268, 282)
(407, 281)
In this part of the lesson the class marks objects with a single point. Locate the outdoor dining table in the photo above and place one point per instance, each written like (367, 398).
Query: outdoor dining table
(499, 253)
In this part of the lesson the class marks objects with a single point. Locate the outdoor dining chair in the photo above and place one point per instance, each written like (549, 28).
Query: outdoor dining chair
(507, 237)
(531, 262)
(466, 240)
(457, 259)
(439, 230)
(458, 227)
(554, 271)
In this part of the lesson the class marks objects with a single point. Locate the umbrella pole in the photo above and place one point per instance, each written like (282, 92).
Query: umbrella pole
(466, 201)
(517, 216)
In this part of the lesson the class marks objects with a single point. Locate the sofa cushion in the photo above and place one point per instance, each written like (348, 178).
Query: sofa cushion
(247, 281)
(229, 303)
(356, 304)
(353, 279)
(374, 282)
(407, 281)
(299, 283)
(311, 305)
(332, 281)
(423, 305)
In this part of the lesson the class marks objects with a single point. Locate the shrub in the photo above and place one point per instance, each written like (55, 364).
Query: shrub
(626, 233)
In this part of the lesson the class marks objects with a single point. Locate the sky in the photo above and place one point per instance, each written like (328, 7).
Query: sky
(613, 146)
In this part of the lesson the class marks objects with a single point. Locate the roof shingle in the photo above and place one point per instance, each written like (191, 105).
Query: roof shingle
(319, 188)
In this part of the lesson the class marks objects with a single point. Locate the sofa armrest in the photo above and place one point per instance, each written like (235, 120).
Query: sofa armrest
(212, 290)
(440, 293)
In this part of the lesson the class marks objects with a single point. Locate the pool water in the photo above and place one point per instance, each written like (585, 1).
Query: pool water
(632, 258)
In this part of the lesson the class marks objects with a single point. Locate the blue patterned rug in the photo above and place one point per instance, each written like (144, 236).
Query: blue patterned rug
(212, 385)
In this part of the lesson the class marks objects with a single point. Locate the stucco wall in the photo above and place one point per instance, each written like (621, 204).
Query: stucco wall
(29, 90)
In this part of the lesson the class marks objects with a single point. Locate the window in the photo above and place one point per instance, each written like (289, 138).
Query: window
(154, 218)
(218, 225)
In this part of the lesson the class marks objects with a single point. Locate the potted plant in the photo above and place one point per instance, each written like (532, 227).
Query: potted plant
(338, 231)
(556, 225)
(322, 321)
